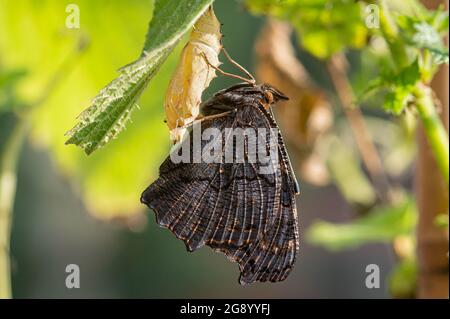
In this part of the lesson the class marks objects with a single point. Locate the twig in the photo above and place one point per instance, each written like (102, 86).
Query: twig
(369, 154)
(8, 179)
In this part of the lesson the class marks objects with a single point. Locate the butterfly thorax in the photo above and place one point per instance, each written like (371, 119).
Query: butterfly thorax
(241, 95)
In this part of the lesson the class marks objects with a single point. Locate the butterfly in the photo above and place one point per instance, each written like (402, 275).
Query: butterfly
(235, 207)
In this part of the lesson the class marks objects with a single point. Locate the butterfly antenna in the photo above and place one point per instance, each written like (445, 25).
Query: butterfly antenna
(240, 67)
(250, 81)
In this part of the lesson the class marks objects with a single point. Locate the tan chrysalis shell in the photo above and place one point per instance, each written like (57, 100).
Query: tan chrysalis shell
(193, 74)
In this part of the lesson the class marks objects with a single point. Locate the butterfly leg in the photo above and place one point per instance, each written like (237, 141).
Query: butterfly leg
(240, 67)
(251, 81)
(214, 116)
(204, 118)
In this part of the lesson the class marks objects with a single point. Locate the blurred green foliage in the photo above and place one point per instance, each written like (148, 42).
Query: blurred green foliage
(399, 86)
(323, 27)
(403, 279)
(345, 167)
(110, 180)
(8, 81)
(426, 31)
(381, 224)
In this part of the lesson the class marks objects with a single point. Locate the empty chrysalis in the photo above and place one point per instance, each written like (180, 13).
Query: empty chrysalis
(193, 74)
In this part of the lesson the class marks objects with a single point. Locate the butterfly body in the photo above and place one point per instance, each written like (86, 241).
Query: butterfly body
(244, 207)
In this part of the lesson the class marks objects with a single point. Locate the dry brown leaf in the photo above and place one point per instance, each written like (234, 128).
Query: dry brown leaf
(193, 74)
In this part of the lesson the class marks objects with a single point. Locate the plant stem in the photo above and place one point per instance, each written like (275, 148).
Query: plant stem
(8, 164)
(432, 195)
(8, 179)
(390, 32)
(434, 129)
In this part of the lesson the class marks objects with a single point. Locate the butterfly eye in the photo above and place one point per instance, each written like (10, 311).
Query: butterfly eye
(268, 96)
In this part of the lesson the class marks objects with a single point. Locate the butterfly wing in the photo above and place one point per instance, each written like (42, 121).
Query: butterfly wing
(231, 207)
(272, 257)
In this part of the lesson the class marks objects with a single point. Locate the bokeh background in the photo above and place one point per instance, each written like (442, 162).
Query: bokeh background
(71, 208)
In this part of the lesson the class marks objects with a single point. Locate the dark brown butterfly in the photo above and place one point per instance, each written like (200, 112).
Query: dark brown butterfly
(231, 206)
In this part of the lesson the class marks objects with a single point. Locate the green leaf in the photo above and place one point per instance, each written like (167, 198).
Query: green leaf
(396, 100)
(403, 279)
(427, 32)
(111, 109)
(110, 180)
(427, 37)
(440, 55)
(171, 20)
(439, 19)
(381, 224)
(399, 86)
(409, 76)
(323, 27)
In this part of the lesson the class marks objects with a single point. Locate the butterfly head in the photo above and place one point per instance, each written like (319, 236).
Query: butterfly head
(271, 95)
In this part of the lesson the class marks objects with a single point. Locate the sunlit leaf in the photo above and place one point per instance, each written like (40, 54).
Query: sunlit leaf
(398, 85)
(112, 107)
(396, 100)
(407, 77)
(172, 19)
(110, 180)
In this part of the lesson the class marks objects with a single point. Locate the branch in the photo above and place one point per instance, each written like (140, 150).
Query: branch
(8, 165)
(8, 179)
(369, 154)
